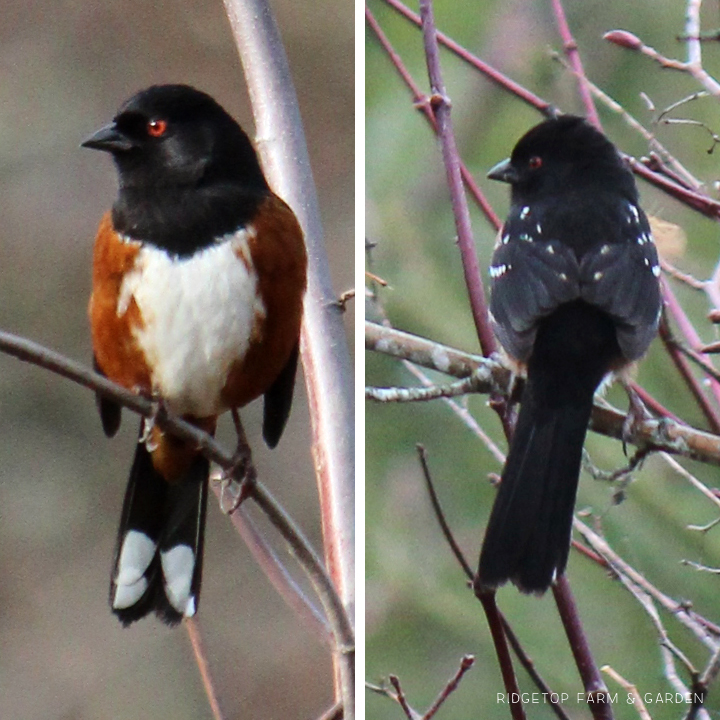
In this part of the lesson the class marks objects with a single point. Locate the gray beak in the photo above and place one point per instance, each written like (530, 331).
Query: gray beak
(109, 139)
(504, 172)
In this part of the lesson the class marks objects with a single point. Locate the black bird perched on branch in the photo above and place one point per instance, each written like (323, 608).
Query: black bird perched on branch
(574, 295)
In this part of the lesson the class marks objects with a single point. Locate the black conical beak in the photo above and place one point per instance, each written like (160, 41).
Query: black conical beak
(109, 139)
(504, 172)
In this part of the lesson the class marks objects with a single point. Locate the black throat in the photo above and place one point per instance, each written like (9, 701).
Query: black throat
(183, 220)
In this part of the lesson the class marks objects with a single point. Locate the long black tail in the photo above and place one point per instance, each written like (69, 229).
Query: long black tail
(527, 540)
(159, 554)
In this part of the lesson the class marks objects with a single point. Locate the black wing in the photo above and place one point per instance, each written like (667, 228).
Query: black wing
(622, 279)
(110, 411)
(530, 277)
(278, 400)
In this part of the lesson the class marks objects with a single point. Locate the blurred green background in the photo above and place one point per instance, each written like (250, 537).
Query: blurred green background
(421, 617)
(65, 67)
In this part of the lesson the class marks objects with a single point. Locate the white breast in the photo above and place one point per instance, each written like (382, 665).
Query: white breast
(198, 315)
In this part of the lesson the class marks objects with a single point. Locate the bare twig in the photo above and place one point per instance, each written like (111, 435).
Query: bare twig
(339, 621)
(434, 392)
(333, 713)
(326, 360)
(466, 243)
(706, 491)
(488, 71)
(440, 515)
(664, 434)
(198, 646)
(571, 50)
(680, 612)
(397, 696)
(593, 683)
(693, 66)
(465, 664)
(274, 569)
(497, 631)
(325, 356)
(402, 700)
(631, 689)
(420, 102)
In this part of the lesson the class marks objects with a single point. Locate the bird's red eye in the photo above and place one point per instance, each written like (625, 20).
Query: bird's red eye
(535, 162)
(156, 128)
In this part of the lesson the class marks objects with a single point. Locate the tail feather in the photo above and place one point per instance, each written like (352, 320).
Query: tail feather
(158, 560)
(527, 540)
(528, 536)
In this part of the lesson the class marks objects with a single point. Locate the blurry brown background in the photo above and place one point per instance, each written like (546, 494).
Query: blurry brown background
(64, 69)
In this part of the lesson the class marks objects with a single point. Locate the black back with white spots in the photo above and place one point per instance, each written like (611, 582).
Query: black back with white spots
(575, 294)
(574, 231)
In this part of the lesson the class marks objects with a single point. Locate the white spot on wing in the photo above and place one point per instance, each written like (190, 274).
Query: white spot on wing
(524, 212)
(656, 270)
(198, 315)
(178, 565)
(497, 271)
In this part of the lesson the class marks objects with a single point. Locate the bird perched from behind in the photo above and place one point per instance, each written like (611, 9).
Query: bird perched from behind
(199, 273)
(574, 295)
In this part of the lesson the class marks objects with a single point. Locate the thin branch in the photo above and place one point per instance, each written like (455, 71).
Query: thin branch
(402, 700)
(333, 713)
(663, 434)
(420, 102)
(675, 465)
(655, 145)
(571, 50)
(693, 67)
(397, 696)
(637, 701)
(274, 569)
(198, 646)
(340, 624)
(684, 369)
(434, 392)
(593, 683)
(700, 628)
(495, 623)
(466, 243)
(440, 515)
(326, 360)
(465, 664)
(689, 280)
(488, 71)
(462, 413)
(529, 667)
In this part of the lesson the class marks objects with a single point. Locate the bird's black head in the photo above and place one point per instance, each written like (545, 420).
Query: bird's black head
(187, 171)
(176, 135)
(561, 154)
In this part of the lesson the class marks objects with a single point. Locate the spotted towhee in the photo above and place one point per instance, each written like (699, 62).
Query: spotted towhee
(198, 283)
(575, 295)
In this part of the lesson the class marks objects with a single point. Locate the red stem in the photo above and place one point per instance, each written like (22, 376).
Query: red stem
(573, 56)
(490, 72)
(421, 104)
(466, 243)
(495, 622)
(592, 680)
